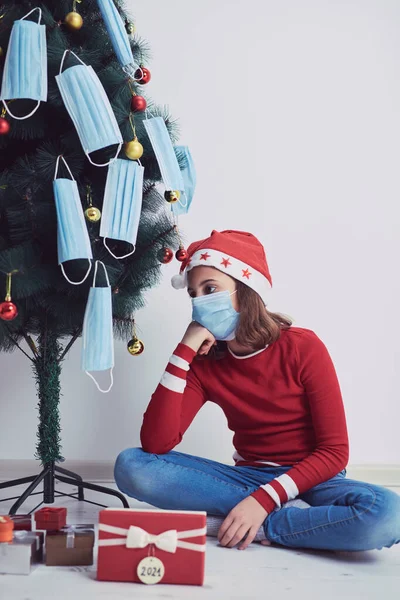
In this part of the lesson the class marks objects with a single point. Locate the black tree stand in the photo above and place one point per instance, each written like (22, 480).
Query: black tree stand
(47, 358)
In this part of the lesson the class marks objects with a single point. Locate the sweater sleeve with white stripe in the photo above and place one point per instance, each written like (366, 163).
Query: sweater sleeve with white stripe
(174, 404)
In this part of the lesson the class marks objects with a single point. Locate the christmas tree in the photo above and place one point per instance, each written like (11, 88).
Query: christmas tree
(42, 314)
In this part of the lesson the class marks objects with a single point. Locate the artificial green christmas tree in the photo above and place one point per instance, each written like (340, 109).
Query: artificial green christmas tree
(42, 314)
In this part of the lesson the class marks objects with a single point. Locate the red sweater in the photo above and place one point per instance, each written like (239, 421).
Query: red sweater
(283, 404)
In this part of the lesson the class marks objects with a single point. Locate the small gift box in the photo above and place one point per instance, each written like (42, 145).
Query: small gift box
(152, 546)
(51, 518)
(71, 545)
(25, 550)
(22, 522)
(6, 528)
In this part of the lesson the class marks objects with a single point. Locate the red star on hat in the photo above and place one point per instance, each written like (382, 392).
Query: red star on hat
(226, 262)
(205, 256)
(246, 273)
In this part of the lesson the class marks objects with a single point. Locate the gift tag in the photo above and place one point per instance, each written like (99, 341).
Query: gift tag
(150, 570)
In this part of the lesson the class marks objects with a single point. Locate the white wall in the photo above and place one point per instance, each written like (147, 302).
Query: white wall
(291, 111)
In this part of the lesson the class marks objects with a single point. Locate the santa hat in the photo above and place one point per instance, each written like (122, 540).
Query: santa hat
(236, 253)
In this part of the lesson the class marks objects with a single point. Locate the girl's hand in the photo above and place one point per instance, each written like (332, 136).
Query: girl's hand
(244, 518)
(198, 338)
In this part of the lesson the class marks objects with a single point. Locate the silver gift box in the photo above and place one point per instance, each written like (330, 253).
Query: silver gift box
(19, 556)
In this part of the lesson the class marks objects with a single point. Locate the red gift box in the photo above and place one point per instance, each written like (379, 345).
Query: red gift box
(51, 519)
(22, 522)
(127, 536)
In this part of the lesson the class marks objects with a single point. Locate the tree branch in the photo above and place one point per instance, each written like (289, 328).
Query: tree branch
(30, 343)
(19, 347)
(70, 343)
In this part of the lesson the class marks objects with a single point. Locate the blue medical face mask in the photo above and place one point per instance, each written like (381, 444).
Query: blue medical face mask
(89, 108)
(97, 336)
(164, 151)
(189, 181)
(216, 313)
(72, 235)
(122, 203)
(118, 36)
(25, 68)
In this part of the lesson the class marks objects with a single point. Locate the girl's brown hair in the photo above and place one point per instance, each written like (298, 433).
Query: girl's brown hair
(258, 327)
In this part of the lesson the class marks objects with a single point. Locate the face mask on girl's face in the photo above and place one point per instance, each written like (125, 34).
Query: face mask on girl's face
(216, 313)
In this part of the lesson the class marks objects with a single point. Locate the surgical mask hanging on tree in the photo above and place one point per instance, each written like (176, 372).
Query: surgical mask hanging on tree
(118, 36)
(122, 203)
(189, 180)
(89, 108)
(72, 235)
(97, 335)
(166, 158)
(25, 68)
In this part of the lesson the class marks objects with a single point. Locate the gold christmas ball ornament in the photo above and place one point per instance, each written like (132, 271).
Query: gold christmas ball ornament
(73, 21)
(129, 27)
(1, 52)
(172, 196)
(135, 346)
(133, 149)
(92, 214)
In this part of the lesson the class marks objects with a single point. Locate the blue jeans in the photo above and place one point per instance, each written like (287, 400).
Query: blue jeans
(344, 515)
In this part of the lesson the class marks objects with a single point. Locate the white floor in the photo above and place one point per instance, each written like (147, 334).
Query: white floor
(256, 573)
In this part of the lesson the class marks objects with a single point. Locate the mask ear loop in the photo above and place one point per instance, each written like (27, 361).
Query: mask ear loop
(112, 368)
(63, 59)
(183, 205)
(97, 385)
(119, 257)
(107, 163)
(38, 102)
(147, 112)
(33, 10)
(131, 69)
(89, 260)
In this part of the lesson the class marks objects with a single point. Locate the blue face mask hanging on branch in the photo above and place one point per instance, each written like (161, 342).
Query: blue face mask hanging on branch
(97, 334)
(89, 108)
(166, 157)
(118, 36)
(25, 68)
(72, 235)
(122, 203)
(189, 181)
(216, 313)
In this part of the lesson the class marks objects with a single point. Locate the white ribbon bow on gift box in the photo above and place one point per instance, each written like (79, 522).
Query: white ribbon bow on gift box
(136, 537)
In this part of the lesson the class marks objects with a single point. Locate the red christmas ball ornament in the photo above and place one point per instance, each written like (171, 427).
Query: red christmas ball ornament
(8, 311)
(181, 254)
(142, 75)
(138, 104)
(4, 126)
(165, 255)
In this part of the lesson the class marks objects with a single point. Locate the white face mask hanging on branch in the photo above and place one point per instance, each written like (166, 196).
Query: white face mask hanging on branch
(118, 36)
(122, 204)
(89, 108)
(97, 335)
(166, 158)
(25, 68)
(72, 235)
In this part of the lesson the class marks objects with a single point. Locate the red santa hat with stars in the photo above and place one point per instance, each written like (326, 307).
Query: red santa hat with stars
(236, 253)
